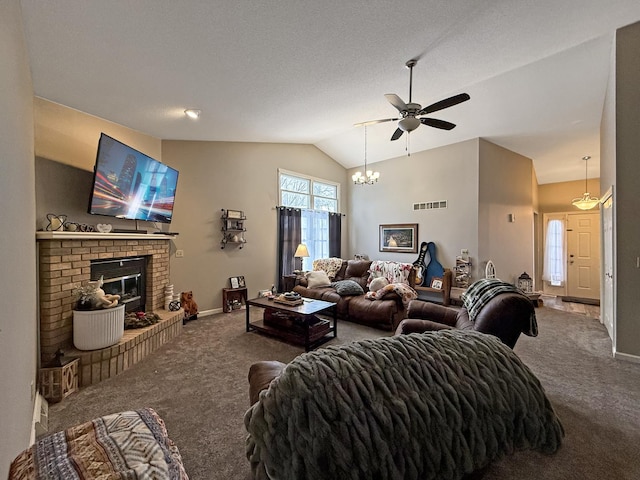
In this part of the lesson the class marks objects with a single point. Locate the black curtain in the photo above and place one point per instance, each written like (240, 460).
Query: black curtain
(335, 235)
(289, 237)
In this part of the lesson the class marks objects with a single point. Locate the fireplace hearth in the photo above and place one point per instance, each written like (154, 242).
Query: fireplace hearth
(65, 261)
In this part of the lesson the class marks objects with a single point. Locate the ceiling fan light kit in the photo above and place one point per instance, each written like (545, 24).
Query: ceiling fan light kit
(586, 202)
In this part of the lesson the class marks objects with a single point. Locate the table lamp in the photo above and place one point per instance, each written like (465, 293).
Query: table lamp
(301, 252)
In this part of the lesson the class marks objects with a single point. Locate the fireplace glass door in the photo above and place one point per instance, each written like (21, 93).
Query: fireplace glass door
(124, 277)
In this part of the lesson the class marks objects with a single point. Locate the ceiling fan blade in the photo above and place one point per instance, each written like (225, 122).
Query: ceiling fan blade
(373, 122)
(434, 122)
(396, 101)
(397, 134)
(446, 103)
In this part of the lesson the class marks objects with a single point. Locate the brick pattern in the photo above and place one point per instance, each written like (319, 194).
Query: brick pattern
(136, 344)
(66, 264)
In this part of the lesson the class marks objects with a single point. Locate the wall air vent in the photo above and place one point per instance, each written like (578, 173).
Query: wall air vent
(430, 205)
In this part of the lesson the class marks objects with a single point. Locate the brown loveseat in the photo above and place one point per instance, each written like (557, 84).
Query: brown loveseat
(386, 313)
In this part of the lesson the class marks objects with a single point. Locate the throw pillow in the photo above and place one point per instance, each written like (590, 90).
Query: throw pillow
(347, 287)
(378, 283)
(318, 279)
(330, 265)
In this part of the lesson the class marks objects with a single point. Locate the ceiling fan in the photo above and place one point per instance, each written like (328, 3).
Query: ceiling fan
(409, 112)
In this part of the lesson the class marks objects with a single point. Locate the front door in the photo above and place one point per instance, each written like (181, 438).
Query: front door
(583, 255)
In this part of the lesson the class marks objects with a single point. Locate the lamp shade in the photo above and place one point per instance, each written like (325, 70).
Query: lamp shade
(586, 202)
(301, 251)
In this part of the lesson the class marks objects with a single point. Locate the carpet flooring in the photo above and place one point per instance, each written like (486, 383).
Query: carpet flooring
(198, 385)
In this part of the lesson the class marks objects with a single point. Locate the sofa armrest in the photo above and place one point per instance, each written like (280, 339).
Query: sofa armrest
(431, 311)
(416, 325)
(261, 374)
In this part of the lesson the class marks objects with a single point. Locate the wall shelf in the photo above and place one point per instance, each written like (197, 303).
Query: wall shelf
(233, 228)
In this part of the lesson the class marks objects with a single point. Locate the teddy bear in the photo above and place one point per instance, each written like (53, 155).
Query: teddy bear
(189, 304)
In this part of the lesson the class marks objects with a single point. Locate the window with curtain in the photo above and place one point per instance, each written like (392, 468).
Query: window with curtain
(554, 262)
(318, 201)
(315, 235)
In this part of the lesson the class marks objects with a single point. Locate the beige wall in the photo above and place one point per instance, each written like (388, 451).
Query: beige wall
(627, 186)
(71, 137)
(237, 176)
(557, 197)
(18, 318)
(447, 173)
(506, 194)
(66, 143)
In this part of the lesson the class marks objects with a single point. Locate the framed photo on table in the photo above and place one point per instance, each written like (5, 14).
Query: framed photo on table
(399, 237)
(235, 283)
(436, 283)
(241, 283)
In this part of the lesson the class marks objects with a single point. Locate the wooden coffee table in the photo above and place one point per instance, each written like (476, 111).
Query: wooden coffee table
(297, 324)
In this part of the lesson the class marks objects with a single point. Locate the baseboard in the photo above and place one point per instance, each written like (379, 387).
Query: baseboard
(40, 421)
(626, 357)
(586, 301)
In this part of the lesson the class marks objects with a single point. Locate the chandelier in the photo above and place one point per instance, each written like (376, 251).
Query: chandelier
(370, 177)
(585, 202)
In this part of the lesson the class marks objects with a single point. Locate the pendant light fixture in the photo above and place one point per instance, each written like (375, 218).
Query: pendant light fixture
(370, 177)
(586, 202)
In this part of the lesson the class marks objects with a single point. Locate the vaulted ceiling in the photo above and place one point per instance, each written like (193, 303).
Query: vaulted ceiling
(305, 71)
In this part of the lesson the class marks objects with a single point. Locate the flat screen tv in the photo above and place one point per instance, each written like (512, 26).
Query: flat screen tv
(129, 184)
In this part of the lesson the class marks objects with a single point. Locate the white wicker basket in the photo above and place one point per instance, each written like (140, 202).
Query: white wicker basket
(94, 329)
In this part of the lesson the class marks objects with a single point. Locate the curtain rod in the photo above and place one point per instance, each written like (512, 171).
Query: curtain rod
(297, 208)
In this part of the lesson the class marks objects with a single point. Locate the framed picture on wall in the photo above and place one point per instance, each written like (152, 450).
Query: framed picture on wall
(399, 237)
(235, 214)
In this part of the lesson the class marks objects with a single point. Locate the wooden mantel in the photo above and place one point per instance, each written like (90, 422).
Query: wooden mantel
(100, 236)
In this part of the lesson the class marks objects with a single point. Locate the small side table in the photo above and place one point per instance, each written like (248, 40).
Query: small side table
(231, 294)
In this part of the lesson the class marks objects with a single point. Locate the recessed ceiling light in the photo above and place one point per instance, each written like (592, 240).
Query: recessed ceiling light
(192, 113)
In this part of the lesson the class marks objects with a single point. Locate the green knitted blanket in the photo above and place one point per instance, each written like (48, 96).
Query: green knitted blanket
(419, 406)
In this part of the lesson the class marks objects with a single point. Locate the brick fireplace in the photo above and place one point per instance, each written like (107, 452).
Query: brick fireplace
(64, 263)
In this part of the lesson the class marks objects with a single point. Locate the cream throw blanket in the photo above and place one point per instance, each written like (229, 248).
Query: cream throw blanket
(419, 406)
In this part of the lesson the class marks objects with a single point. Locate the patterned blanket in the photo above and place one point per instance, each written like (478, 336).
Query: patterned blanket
(417, 406)
(394, 272)
(482, 291)
(126, 445)
(329, 265)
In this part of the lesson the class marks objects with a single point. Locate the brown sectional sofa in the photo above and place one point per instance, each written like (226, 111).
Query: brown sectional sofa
(386, 313)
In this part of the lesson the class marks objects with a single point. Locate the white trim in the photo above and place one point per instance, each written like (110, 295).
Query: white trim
(626, 357)
(40, 422)
(312, 179)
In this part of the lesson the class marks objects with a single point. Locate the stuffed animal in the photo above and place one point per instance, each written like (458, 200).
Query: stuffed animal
(189, 304)
(378, 283)
(98, 298)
